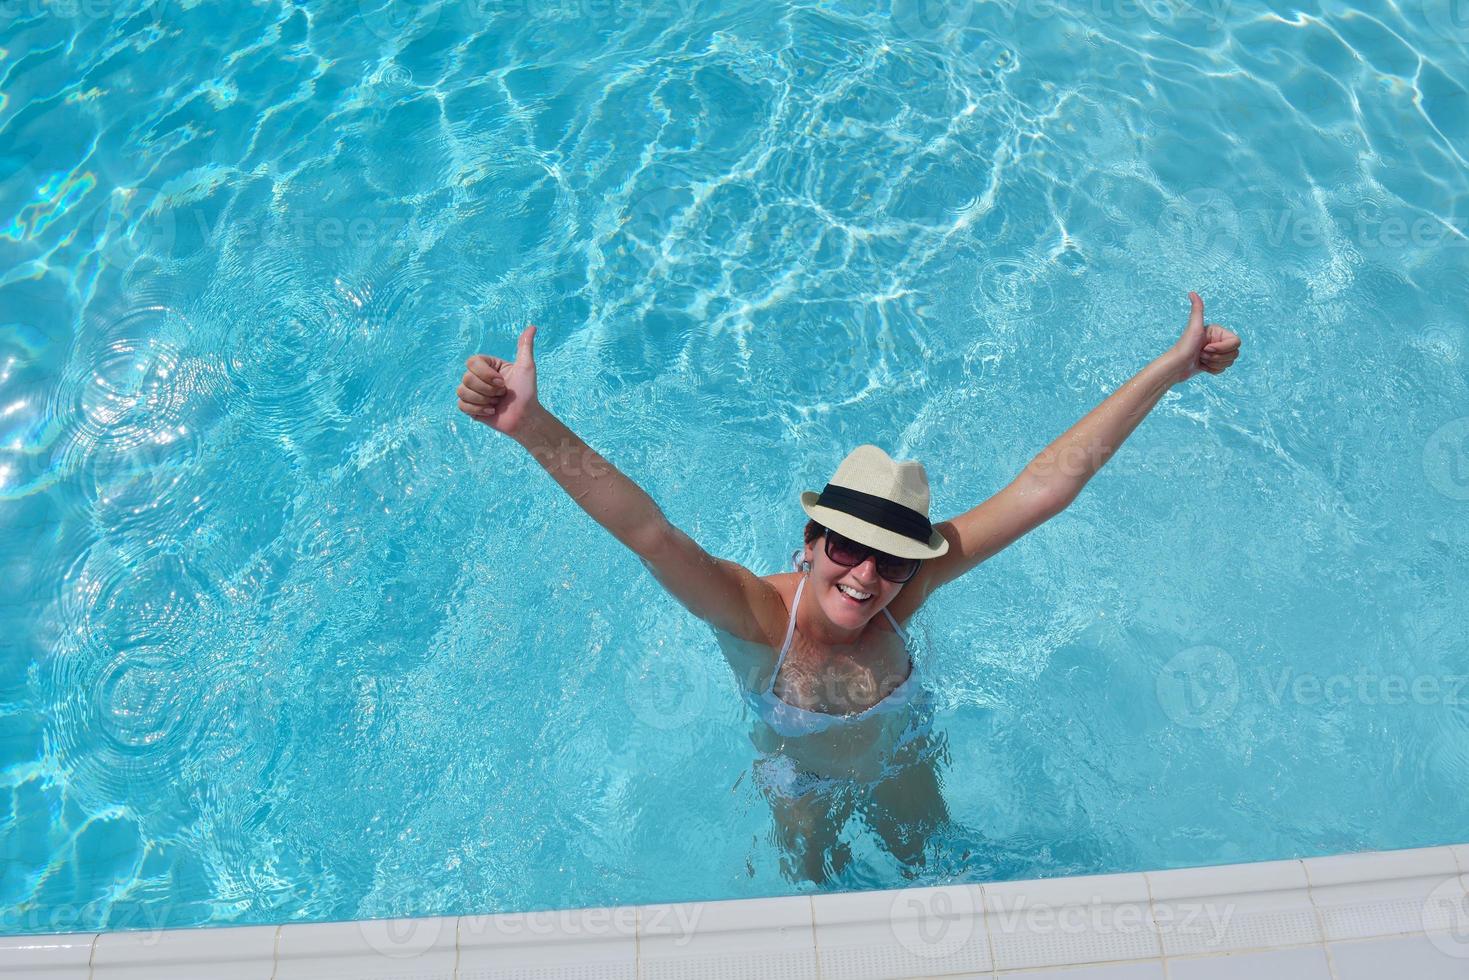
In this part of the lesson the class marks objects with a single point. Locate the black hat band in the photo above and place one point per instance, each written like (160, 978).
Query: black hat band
(886, 514)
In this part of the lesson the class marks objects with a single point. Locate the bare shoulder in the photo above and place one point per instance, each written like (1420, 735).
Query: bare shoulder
(770, 604)
(783, 585)
(753, 657)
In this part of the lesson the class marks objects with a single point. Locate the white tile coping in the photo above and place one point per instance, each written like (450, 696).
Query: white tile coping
(1334, 918)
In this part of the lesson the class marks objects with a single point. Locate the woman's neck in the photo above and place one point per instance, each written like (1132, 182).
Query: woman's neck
(818, 628)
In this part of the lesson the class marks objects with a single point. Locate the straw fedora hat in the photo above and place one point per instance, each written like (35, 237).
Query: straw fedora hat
(880, 502)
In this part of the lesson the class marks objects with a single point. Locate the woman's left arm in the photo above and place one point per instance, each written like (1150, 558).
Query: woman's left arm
(1051, 481)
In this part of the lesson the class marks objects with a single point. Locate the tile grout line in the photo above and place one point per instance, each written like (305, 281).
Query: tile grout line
(984, 917)
(815, 948)
(457, 920)
(1320, 919)
(637, 942)
(1364, 940)
(1157, 933)
(1021, 972)
(1254, 950)
(275, 952)
(92, 954)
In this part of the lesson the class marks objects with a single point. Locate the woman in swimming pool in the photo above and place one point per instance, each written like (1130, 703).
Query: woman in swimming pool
(821, 652)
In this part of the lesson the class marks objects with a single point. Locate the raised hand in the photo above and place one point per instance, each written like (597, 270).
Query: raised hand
(1203, 348)
(497, 392)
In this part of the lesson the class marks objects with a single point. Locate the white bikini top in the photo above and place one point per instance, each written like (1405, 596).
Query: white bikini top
(789, 721)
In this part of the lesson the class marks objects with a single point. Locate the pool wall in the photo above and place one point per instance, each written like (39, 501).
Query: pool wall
(1348, 917)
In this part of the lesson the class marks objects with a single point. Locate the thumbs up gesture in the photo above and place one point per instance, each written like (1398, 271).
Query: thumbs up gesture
(498, 392)
(1202, 348)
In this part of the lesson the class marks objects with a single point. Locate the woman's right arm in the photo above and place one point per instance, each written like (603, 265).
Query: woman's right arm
(726, 595)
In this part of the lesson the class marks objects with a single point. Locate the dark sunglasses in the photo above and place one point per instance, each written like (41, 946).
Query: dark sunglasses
(845, 551)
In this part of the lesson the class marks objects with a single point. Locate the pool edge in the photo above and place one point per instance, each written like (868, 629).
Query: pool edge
(1333, 918)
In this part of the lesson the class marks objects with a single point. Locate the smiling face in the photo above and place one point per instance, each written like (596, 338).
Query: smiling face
(830, 583)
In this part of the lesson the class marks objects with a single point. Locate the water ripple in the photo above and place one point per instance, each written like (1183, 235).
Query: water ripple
(267, 575)
(139, 693)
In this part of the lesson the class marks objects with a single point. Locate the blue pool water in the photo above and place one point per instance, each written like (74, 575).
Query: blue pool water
(286, 637)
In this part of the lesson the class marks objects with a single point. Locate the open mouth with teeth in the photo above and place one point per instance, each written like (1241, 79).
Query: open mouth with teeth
(855, 596)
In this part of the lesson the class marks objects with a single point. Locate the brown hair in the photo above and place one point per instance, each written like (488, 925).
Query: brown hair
(813, 531)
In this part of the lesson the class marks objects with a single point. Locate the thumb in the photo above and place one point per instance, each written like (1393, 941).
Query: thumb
(1196, 315)
(524, 350)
